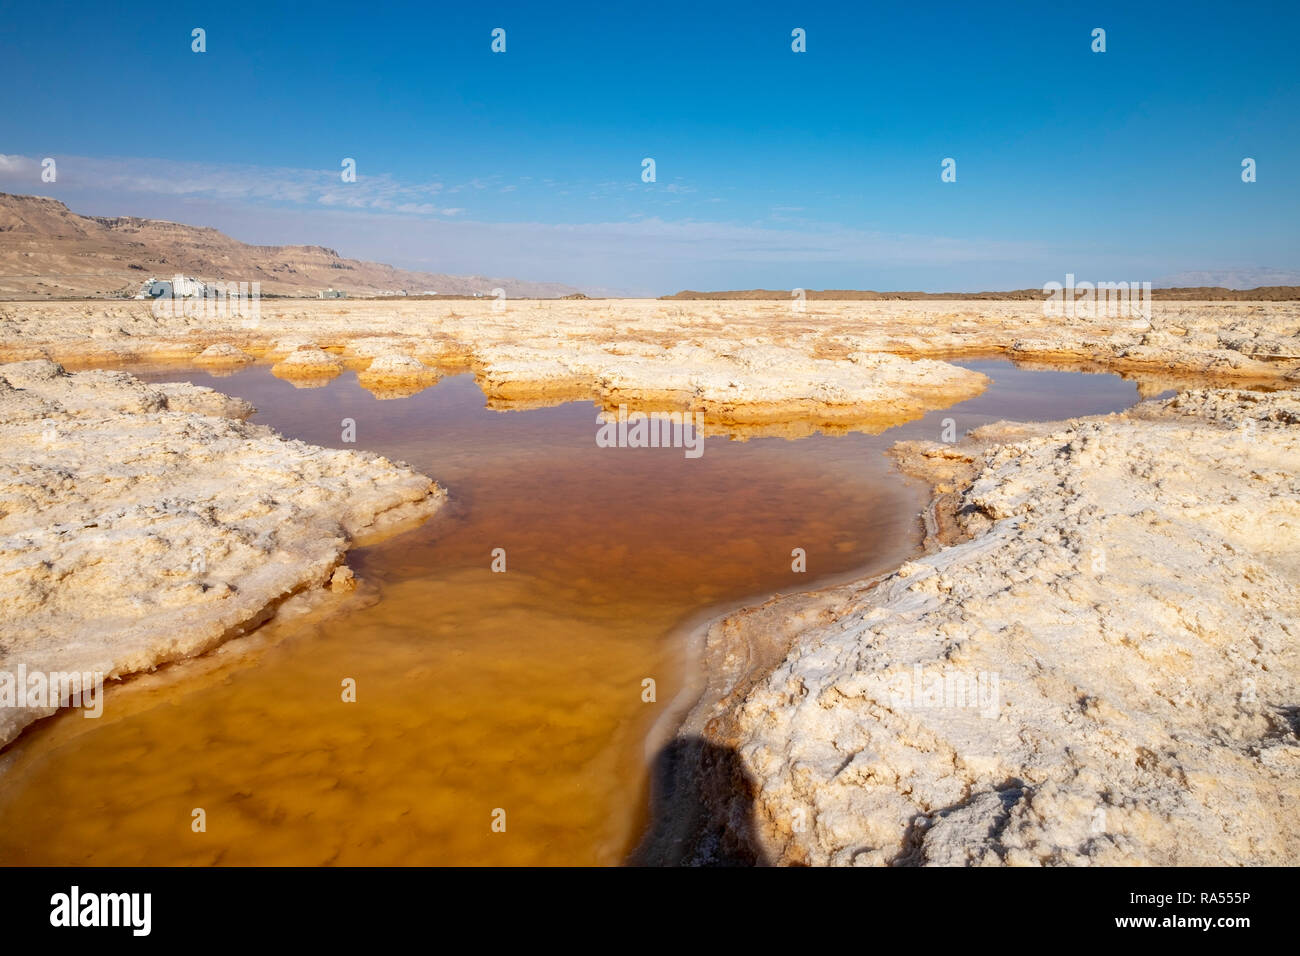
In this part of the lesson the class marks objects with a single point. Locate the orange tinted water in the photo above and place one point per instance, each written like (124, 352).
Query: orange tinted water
(476, 691)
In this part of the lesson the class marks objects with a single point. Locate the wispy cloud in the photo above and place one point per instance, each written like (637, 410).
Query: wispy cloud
(228, 182)
(379, 217)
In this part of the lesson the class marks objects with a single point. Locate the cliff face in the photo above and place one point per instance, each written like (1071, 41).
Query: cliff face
(46, 249)
(1100, 667)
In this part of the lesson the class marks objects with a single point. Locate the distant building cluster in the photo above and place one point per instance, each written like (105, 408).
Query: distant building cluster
(393, 292)
(177, 287)
(183, 295)
(185, 287)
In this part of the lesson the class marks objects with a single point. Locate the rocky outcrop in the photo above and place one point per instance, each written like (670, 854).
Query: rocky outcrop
(46, 249)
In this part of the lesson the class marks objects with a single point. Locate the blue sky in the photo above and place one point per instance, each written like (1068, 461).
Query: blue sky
(774, 168)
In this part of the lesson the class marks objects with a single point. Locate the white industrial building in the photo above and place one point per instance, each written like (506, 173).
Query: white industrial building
(177, 287)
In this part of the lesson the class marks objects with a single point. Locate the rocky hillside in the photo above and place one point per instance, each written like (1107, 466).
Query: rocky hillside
(48, 250)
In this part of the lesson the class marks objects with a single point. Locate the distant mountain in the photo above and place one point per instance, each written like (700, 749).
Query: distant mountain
(48, 250)
(1272, 293)
(1232, 278)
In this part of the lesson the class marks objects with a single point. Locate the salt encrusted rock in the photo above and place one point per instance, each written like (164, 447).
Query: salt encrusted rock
(737, 385)
(1122, 621)
(283, 347)
(373, 347)
(138, 527)
(44, 386)
(394, 369)
(223, 354)
(307, 362)
(393, 376)
(751, 366)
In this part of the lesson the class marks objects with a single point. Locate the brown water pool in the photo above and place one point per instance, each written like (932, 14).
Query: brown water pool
(477, 691)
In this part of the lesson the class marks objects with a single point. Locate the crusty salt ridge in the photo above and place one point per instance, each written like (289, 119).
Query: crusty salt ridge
(1131, 582)
(752, 367)
(141, 524)
(1245, 341)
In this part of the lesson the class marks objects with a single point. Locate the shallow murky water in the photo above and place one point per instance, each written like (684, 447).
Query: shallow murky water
(476, 691)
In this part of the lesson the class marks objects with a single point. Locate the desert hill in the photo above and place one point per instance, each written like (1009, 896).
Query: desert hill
(48, 250)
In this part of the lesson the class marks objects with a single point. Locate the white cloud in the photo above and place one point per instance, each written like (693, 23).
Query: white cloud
(17, 165)
(235, 183)
(381, 218)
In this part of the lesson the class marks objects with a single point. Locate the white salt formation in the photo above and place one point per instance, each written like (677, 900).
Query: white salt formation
(141, 524)
(1102, 666)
